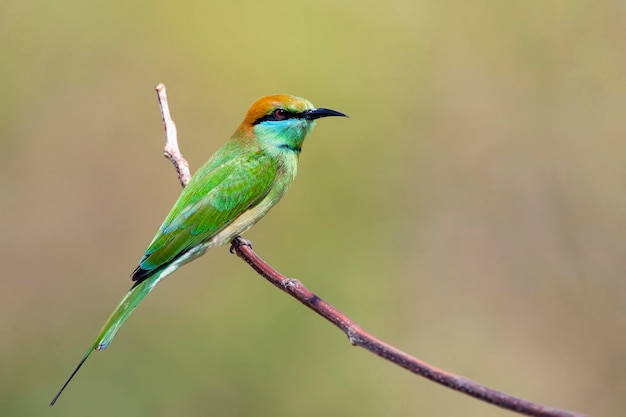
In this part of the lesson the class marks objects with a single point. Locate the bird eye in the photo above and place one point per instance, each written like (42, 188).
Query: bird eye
(280, 114)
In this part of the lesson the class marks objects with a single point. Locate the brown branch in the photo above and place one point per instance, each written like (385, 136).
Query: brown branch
(356, 335)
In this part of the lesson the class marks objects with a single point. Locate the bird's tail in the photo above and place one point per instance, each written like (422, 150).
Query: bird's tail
(134, 296)
(117, 318)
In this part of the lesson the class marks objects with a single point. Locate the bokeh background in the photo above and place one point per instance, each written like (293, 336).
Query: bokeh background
(471, 212)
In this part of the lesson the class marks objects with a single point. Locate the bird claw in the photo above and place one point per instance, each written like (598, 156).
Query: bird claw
(237, 242)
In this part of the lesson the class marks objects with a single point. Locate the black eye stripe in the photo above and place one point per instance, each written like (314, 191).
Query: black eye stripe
(273, 117)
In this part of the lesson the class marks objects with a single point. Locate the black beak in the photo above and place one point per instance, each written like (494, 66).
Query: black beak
(318, 113)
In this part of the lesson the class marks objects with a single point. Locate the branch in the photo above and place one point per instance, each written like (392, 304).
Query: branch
(172, 151)
(356, 335)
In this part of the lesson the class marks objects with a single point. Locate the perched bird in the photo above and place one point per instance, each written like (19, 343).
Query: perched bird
(226, 196)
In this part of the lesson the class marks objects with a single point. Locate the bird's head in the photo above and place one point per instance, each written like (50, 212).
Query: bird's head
(282, 120)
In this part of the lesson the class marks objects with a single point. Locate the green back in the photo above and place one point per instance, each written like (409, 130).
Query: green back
(228, 184)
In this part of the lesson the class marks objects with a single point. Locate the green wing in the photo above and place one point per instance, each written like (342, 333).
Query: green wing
(215, 196)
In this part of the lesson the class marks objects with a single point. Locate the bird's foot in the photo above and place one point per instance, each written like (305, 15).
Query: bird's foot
(239, 241)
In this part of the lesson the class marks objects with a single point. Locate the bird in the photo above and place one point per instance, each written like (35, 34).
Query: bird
(233, 190)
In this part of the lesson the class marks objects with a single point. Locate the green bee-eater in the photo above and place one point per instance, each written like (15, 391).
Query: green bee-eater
(226, 196)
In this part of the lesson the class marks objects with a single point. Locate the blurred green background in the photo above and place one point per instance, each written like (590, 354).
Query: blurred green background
(471, 212)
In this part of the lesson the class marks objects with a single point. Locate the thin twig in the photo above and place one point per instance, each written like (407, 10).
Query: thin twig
(356, 335)
(172, 152)
(359, 337)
